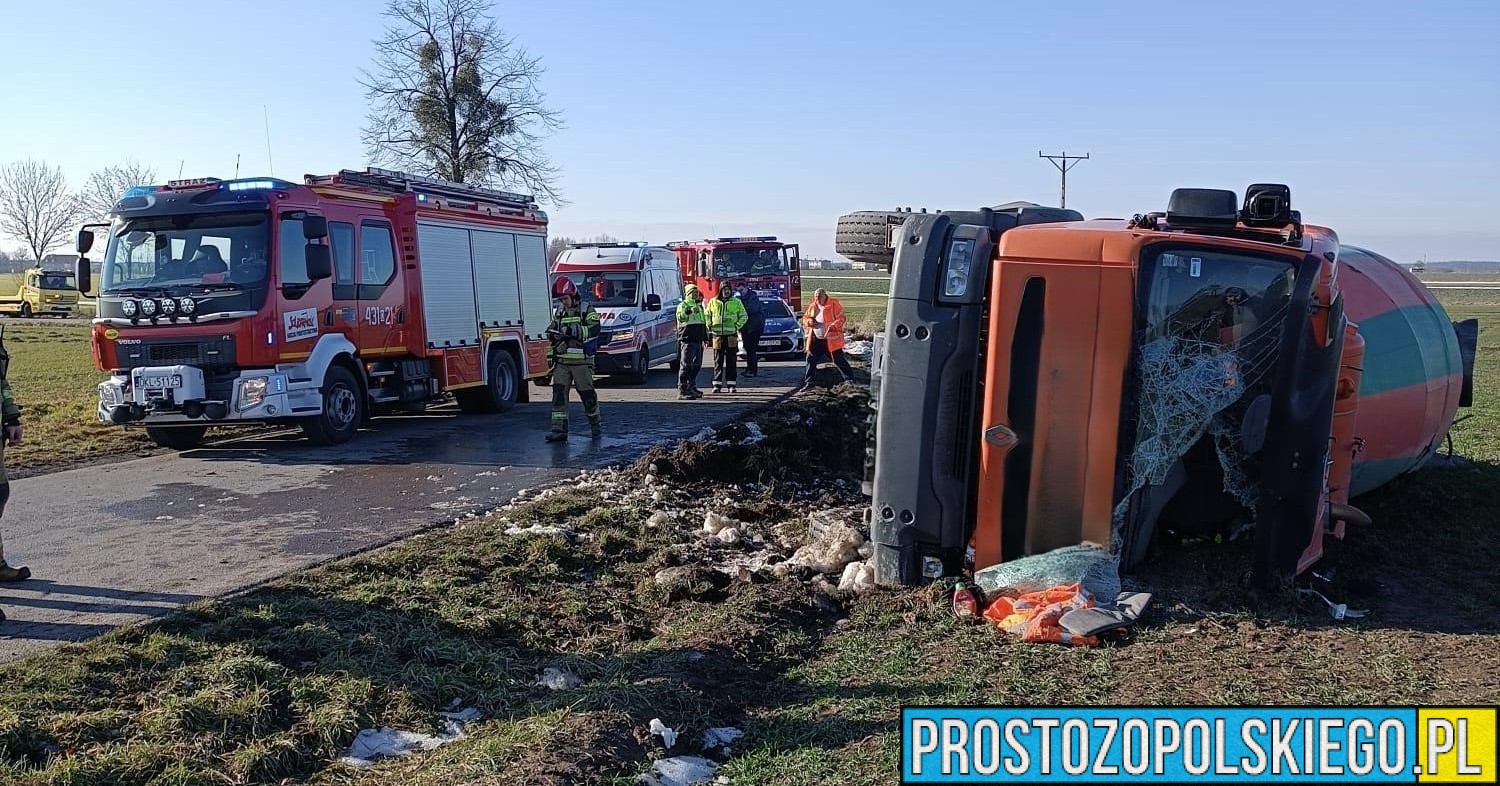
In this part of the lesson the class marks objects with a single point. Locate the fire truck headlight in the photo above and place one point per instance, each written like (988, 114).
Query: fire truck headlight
(187, 305)
(148, 308)
(130, 308)
(253, 390)
(168, 306)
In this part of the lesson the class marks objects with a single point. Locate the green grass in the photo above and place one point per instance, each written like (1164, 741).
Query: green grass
(52, 374)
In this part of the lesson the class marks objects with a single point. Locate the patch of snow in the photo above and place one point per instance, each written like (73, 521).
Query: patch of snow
(558, 679)
(713, 523)
(859, 349)
(538, 529)
(834, 545)
(706, 434)
(659, 519)
(858, 577)
(668, 735)
(755, 434)
(435, 478)
(720, 737)
(679, 771)
(728, 535)
(385, 742)
(164, 518)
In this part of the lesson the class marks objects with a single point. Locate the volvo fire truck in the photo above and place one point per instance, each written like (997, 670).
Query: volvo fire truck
(763, 262)
(1215, 370)
(317, 303)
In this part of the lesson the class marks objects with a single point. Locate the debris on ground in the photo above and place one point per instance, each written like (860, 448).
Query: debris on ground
(859, 349)
(713, 523)
(1036, 616)
(833, 545)
(1087, 564)
(679, 771)
(538, 529)
(721, 737)
(667, 734)
(558, 679)
(1338, 611)
(858, 577)
(373, 744)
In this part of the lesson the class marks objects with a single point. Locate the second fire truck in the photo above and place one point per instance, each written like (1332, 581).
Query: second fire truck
(764, 263)
(316, 303)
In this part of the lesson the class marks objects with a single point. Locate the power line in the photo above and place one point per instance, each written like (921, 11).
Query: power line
(1063, 162)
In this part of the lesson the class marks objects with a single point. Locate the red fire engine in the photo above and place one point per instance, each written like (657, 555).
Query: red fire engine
(319, 304)
(764, 263)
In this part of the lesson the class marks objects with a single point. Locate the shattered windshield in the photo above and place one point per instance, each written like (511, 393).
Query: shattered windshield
(731, 262)
(176, 251)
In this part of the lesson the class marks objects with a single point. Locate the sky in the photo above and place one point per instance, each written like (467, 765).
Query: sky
(687, 119)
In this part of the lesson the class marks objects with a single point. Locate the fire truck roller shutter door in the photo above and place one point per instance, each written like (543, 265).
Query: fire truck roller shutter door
(448, 307)
(531, 271)
(496, 277)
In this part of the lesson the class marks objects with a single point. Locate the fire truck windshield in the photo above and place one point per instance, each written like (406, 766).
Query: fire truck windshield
(732, 262)
(188, 252)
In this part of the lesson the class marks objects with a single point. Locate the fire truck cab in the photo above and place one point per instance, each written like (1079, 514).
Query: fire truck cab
(764, 263)
(319, 303)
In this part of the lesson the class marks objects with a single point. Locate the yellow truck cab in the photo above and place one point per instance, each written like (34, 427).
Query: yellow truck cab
(38, 292)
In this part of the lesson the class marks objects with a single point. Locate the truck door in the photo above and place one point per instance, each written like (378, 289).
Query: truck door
(794, 276)
(344, 317)
(380, 296)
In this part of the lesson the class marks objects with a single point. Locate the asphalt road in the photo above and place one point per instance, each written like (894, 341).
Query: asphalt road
(112, 544)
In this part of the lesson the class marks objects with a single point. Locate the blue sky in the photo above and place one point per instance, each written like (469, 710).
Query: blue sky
(690, 118)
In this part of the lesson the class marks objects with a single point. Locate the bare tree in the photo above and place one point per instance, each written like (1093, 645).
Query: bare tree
(36, 206)
(105, 186)
(453, 97)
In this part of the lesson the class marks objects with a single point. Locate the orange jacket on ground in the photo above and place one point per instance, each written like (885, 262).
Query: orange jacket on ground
(833, 320)
(1034, 616)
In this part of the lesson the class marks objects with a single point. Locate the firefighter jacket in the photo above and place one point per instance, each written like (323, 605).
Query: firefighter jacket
(691, 322)
(725, 317)
(825, 322)
(574, 333)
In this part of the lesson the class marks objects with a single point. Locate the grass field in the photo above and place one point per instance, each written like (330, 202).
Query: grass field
(53, 377)
(271, 686)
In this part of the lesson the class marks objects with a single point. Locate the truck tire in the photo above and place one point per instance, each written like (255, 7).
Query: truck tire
(497, 395)
(26, 311)
(177, 437)
(343, 409)
(864, 237)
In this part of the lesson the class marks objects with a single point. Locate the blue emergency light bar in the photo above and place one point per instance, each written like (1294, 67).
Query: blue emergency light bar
(257, 184)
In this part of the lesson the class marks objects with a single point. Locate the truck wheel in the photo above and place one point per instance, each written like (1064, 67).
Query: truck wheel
(343, 409)
(865, 236)
(26, 311)
(500, 394)
(177, 437)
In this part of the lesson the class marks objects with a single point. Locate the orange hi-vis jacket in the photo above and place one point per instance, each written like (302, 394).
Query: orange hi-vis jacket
(833, 323)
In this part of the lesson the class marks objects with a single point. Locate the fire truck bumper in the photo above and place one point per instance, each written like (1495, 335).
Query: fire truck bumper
(164, 395)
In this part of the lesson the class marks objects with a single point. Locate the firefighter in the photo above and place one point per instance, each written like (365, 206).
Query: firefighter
(10, 414)
(755, 325)
(692, 334)
(725, 315)
(824, 321)
(574, 333)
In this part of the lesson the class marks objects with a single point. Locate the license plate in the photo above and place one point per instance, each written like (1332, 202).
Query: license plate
(161, 382)
(770, 344)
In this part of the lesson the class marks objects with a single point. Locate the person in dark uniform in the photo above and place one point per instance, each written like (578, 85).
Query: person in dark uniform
(11, 414)
(755, 325)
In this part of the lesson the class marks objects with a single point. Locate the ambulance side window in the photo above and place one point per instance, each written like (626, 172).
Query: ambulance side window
(342, 236)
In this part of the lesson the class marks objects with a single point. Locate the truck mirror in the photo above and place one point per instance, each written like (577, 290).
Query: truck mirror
(319, 262)
(85, 240)
(314, 227)
(653, 302)
(83, 273)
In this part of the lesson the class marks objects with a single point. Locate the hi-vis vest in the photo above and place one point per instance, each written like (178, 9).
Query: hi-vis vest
(573, 350)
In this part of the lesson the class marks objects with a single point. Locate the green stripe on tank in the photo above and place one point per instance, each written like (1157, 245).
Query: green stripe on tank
(1405, 346)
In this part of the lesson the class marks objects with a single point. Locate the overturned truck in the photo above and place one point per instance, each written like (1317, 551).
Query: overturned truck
(1219, 368)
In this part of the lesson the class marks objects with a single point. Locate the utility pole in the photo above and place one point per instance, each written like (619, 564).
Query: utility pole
(1063, 163)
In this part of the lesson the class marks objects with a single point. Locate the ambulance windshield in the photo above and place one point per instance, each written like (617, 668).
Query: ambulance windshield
(615, 290)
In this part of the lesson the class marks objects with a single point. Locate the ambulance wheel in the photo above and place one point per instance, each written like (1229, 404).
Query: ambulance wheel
(26, 311)
(641, 369)
(499, 394)
(343, 409)
(177, 437)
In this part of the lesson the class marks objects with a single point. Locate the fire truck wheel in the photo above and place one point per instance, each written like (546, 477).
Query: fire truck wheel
(177, 437)
(343, 409)
(501, 392)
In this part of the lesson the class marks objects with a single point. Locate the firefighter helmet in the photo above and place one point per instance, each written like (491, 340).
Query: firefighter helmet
(563, 287)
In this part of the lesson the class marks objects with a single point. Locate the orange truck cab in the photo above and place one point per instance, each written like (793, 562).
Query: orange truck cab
(1196, 372)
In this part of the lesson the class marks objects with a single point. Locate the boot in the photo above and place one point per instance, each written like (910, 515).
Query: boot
(595, 431)
(731, 387)
(8, 573)
(557, 436)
